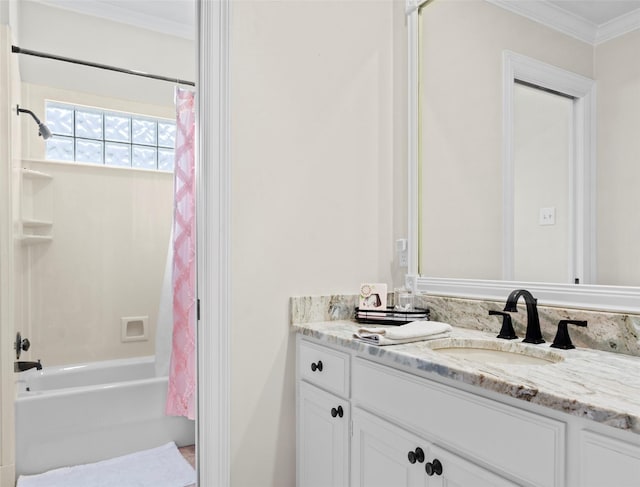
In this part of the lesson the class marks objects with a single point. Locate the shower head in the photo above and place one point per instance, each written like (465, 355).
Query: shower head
(44, 131)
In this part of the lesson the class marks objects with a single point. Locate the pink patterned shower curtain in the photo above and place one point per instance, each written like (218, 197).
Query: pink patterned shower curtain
(181, 395)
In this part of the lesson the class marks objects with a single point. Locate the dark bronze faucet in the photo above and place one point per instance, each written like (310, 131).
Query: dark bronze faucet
(533, 334)
(22, 366)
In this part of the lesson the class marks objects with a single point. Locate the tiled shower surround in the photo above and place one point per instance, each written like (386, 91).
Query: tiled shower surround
(610, 332)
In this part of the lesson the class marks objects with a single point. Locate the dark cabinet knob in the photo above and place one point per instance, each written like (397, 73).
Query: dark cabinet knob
(316, 366)
(337, 412)
(416, 456)
(434, 467)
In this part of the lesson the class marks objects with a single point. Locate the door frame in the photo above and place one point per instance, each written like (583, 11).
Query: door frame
(582, 236)
(7, 256)
(213, 209)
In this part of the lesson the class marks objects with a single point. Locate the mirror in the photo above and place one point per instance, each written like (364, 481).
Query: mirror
(466, 223)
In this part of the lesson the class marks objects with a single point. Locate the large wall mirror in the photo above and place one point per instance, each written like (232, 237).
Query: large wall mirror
(521, 176)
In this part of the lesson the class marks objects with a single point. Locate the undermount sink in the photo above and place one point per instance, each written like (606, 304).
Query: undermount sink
(496, 352)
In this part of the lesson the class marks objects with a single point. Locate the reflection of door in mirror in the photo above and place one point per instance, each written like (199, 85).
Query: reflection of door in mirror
(542, 153)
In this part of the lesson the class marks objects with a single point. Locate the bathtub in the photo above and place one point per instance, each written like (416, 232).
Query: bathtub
(74, 414)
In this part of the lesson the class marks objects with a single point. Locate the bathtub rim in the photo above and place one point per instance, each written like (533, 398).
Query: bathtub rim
(22, 378)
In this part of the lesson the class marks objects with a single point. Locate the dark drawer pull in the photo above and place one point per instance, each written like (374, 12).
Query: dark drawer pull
(337, 412)
(316, 366)
(434, 467)
(416, 456)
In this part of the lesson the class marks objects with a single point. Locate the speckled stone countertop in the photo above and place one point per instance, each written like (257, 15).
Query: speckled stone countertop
(592, 384)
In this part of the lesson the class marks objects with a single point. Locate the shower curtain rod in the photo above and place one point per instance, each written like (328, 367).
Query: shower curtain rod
(29, 52)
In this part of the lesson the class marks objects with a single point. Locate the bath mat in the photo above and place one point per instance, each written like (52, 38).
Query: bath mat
(158, 467)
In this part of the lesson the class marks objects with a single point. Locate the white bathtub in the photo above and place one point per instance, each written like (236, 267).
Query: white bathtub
(82, 413)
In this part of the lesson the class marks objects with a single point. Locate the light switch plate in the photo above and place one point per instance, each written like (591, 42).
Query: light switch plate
(547, 216)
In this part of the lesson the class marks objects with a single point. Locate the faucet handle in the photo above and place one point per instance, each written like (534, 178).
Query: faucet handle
(506, 332)
(21, 344)
(562, 339)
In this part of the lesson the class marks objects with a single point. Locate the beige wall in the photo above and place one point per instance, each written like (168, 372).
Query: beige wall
(313, 144)
(618, 174)
(461, 68)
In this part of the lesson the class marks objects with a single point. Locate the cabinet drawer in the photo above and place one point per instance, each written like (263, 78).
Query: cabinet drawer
(526, 446)
(325, 367)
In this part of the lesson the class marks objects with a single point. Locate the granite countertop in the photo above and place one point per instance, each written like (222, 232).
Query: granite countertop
(592, 384)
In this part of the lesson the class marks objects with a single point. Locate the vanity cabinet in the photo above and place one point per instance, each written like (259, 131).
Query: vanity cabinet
(365, 423)
(323, 416)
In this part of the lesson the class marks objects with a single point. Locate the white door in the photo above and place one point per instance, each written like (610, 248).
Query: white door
(542, 165)
(323, 439)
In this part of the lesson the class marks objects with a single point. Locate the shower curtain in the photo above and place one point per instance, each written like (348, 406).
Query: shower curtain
(182, 370)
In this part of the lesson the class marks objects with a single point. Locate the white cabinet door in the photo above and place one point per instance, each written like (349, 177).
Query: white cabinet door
(607, 462)
(456, 472)
(380, 454)
(323, 438)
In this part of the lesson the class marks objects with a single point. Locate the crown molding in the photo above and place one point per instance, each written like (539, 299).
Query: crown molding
(558, 19)
(618, 26)
(553, 17)
(123, 15)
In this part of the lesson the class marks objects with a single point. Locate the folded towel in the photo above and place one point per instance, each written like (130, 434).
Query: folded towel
(159, 467)
(411, 332)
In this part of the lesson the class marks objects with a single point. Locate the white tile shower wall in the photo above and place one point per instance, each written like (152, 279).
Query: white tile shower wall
(111, 230)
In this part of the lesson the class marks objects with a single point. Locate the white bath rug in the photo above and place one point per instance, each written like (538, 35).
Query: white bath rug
(159, 467)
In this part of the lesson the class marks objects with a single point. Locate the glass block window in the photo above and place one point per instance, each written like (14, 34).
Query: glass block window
(96, 136)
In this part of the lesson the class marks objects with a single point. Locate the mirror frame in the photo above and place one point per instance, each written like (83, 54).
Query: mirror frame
(584, 296)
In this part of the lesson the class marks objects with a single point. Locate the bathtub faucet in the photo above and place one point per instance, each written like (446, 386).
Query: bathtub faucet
(22, 366)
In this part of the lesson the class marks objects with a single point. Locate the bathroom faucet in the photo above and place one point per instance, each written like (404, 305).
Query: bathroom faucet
(533, 334)
(22, 366)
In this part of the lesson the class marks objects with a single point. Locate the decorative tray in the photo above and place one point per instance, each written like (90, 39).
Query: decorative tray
(390, 316)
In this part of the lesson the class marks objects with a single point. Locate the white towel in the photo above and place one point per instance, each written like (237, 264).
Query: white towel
(158, 467)
(411, 332)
